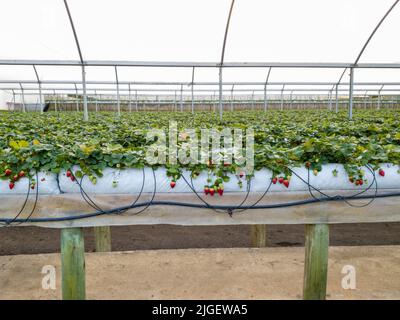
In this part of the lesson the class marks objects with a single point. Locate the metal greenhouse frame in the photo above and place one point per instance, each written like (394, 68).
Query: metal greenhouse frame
(220, 86)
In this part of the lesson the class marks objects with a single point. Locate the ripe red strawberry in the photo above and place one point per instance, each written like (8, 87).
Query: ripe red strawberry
(7, 172)
(381, 172)
(357, 182)
(11, 185)
(361, 182)
(72, 178)
(206, 190)
(241, 174)
(15, 178)
(32, 186)
(69, 174)
(21, 174)
(172, 184)
(220, 192)
(226, 164)
(286, 183)
(212, 191)
(281, 180)
(274, 180)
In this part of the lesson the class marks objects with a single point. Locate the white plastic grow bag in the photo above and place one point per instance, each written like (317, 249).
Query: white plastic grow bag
(46, 184)
(129, 181)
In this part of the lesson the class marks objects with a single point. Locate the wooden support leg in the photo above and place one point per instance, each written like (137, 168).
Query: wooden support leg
(102, 238)
(258, 235)
(73, 264)
(316, 261)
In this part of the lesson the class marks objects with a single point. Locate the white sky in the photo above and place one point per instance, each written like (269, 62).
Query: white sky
(193, 30)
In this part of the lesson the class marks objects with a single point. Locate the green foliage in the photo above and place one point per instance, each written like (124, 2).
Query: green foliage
(55, 141)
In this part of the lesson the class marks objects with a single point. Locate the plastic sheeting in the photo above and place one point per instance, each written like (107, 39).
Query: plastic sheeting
(130, 181)
(45, 184)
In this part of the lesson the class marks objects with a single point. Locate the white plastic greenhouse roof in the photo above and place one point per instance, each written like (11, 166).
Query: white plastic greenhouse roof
(263, 34)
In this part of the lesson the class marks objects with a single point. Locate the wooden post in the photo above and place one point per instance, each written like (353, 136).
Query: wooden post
(102, 238)
(316, 261)
(73, 264)
(258, 235)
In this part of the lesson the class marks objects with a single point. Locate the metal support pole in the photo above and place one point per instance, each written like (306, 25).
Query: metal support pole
(351, 93)
(337, 100)
(192, 90)
(379, 97)
(76, 98)
(181, 97)
(283, 88)
(252, 101)
(365, 99)
(291, 100)
(85, 104)
(55, 101)
(265, 90)
(213, 100)
(118, 101)
(175, 103)
(13, 99)
(40, 98)
(95, 93)
(233, 86)
(220, 93)
(130, 103)
(23, 98)
(330, 100)
(136, 101)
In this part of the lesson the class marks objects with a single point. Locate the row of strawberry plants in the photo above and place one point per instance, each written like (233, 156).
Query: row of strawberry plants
(58, 141)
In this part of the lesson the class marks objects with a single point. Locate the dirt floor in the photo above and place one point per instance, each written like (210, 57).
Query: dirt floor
(240, 273)
(29, 240)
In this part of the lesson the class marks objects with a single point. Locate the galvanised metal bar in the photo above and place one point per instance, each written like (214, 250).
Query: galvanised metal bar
(130, 102)
(222, 58)
(95, 92)
(283, 88)
(85, 107)
(118, 102)
(136, 101)
(23, 98)
(85, 104)
(361, 89)
(76, 96)
(351, 94)
(265, 90)
(291, 101)
(233, 86)
(192, 85)
(181, 98)
(228, 83)
(379, 97)
(119, 63)
(40, 89)
(13, 93)
(175, 103)
(55, 101)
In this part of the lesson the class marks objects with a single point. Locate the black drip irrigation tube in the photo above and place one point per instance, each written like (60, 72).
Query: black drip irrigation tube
(227, 209)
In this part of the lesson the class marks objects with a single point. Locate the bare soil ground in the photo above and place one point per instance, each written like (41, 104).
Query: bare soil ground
(31, 240)
(240, 273)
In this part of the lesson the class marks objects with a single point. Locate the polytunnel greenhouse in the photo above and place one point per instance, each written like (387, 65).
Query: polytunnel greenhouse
(199, 113)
